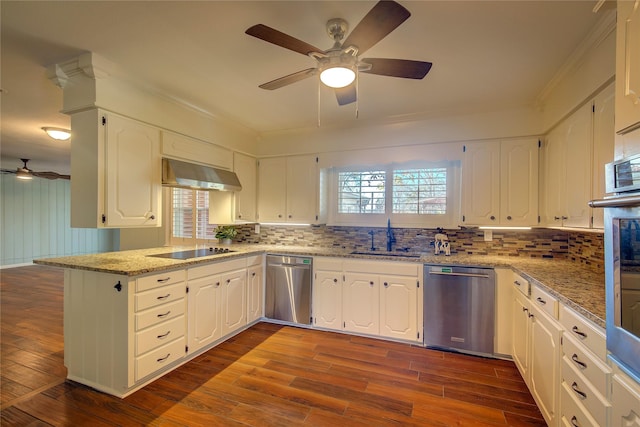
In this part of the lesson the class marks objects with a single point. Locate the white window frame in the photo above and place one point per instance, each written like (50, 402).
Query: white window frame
(193, 240)
(448, 220)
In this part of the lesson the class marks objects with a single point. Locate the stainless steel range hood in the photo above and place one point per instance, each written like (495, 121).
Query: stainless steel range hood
(176, 173)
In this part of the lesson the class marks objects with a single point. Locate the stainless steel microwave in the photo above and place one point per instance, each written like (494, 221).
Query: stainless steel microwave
(622, 263)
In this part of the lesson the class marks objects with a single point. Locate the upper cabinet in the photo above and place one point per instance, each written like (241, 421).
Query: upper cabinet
(186, 148)
(116, 171)
(245, 200)
(574, 154)
(500, 183)
(289, 190)
(628, 67)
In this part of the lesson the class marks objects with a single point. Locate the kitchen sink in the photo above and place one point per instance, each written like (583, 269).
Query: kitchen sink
(393, 254)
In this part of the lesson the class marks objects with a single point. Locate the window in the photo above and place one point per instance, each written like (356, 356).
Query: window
(190, 213)
(420, 191)
(415, 193)
(361, 192)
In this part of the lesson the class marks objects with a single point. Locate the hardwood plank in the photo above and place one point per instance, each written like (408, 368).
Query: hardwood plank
(15, 417)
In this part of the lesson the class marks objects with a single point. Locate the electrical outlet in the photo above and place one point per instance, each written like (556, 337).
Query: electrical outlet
(488, 235)
(256, 229)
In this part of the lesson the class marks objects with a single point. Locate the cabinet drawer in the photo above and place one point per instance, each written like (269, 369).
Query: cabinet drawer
(584, 331)
(377, 267)
(585, 393)
(158, 314)
(159, 296)
(544, 301)
(160, 334)
(159, 358)
(522, 284)
(217, 268)
(593, 369)
(573, 413)
(327, 264)
(161, 279)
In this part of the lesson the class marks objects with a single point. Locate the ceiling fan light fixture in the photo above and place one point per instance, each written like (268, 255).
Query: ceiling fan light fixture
(57, 133)
(23, 173)
(337, 76)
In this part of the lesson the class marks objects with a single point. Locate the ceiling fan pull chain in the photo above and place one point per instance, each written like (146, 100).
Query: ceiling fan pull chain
(318, 102)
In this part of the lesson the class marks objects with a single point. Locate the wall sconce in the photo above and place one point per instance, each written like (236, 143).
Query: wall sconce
(57, 133)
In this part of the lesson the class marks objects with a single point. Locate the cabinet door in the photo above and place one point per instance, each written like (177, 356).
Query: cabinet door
(272, 190)
(245, 199)
(545, 364)
(519, 182)
(603, 146)
(254, 293)
(625, 399)
(398, 307)
(481, 183)
(327, 299)
(234, 301)
(133, 174)
(577, 183)
(302, 189)
(521, 333)
(628, 66)
(361, 303)
(554, 164)
(204, 313)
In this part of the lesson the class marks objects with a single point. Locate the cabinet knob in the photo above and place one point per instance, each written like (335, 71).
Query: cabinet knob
(335, 280)
(228, 280)
(152, 216)
(565, 217)
(556, 218)
(279, 216)
(386, 285)
(492, 218)
(217, 284)
(239, 215)
(253, 274)
(509, 218)
(289, 216)
(371, 283)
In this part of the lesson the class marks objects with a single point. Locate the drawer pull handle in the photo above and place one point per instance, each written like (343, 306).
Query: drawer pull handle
(164, 296)
(164, 314)
(578, 361)
(163, 280)
(580, 393)
(541, 301)
(163, 335)
(578, 332)
(525, 309)
(574, 421)
(517, 283)
(162, 359)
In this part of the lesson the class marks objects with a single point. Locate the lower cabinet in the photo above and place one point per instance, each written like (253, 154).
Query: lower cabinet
(366, 297)
(255, 286)
(625, 395)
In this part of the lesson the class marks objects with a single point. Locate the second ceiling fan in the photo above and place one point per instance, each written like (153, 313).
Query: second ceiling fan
(340, 65)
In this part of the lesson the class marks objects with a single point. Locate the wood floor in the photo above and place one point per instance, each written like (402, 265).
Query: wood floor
(269, 375)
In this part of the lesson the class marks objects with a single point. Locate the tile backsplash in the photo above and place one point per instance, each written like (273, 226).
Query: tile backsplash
(582, 247)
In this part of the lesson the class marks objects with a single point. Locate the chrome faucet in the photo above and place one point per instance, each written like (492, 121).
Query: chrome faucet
(390, 237)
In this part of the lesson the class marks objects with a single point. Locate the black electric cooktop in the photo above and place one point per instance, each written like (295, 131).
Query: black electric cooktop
(194, 253)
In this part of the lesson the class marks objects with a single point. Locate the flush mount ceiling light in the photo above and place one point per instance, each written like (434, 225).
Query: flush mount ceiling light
(58, 133)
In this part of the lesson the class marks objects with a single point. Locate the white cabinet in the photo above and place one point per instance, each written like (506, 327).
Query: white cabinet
(327, 297)
(361, 303)
(234, 300)
(368, 297)
(245, 200)
(628, 66)
(204, 307)
(536, 346)
(574, 155)
(500, 183)
(186, 148)
(255, 289)
(116, 171)
(625, 396)
(289, 190)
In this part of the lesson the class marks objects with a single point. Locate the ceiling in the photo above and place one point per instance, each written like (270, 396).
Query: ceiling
(487, 55)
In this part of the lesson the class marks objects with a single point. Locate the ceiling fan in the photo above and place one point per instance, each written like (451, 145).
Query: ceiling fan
(342, 60)
(25, 173)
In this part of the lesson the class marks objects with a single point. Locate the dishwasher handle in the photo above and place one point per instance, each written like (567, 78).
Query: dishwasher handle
(482, 276)
(282, 264)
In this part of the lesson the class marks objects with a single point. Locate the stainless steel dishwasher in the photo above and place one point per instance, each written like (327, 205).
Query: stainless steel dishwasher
(459, 308)
(288, 289)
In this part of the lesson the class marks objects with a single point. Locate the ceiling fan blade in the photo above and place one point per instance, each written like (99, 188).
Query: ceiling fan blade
(50, 175)
(404, 68)
(385, 17)
(346, 95)
(287, 80)
(281, 39)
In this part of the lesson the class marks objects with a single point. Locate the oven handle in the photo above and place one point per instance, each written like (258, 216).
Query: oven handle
(618, 202)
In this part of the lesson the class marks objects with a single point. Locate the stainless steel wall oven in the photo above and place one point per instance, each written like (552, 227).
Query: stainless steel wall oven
(622, 263)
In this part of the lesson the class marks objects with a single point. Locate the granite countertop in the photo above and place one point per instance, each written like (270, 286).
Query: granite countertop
(574, 284)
